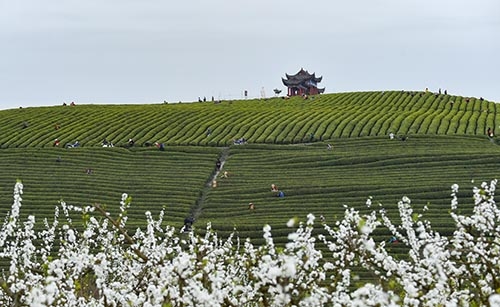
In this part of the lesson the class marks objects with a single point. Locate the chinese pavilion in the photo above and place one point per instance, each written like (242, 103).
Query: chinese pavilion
(302, 83)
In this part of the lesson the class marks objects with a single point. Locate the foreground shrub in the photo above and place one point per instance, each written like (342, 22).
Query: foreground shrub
(105, 264)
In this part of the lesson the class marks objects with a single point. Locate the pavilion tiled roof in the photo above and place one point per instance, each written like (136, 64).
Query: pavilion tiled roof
(302, 79)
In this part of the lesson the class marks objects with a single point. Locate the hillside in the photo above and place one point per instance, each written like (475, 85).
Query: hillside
(286, 146)
(273, 121)
(321, 181)
(152, 178)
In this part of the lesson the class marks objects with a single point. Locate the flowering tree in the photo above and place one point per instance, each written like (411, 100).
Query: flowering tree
(101, 263)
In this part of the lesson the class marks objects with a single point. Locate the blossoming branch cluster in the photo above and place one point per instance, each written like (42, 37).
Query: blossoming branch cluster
(105, 264)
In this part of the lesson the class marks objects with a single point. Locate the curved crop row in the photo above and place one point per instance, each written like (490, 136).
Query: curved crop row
(273, 120)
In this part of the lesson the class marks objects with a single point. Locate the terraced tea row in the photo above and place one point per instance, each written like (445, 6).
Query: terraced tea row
(276, 120)
(83, 176)
(321, 181)
(314, 180)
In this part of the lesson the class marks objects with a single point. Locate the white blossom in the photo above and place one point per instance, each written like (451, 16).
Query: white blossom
(153, 266)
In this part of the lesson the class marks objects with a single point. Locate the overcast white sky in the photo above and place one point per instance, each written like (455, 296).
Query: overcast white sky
(132, 51)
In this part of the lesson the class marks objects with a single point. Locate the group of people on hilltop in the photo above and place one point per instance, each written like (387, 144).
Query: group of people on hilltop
(205, 99)
(421, 93)
(438, 92)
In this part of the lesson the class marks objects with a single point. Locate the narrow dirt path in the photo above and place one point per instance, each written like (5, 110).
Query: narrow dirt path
(197, 208)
